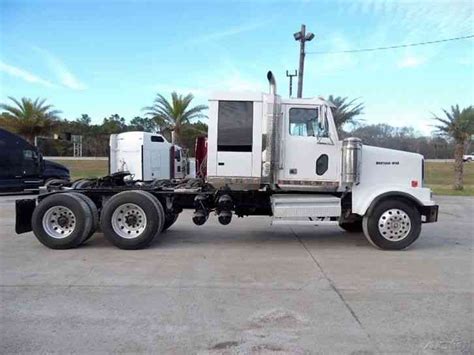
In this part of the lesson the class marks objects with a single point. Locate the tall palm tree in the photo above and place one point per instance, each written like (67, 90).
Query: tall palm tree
(458, 125)
(29, 118)
(173, 115)
(345, 111)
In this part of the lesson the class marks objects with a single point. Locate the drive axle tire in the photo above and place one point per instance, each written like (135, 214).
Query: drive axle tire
(392, 225)
(352, 227)
(169, 221)
(62, 221)
(132, 219)
(93, 211)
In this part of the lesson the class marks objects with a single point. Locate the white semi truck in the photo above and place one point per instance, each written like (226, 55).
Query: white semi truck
(266, 155)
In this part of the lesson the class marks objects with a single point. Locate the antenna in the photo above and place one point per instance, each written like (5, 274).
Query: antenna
(291, 76)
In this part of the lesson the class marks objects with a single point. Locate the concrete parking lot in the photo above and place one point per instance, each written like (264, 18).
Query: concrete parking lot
(244, 288)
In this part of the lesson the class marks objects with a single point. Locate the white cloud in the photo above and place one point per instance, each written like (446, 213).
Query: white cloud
(166, 89)
(231, 31)
(239, 82)
(24, 75)
(224, 79)
(230, 79)
(410, 62)
(332, 63)
(407, 21)
(64, 75)
(465, 60)
(418, 118)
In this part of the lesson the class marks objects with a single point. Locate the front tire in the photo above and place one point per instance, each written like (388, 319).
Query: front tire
(62, 221)
(132, 219)
(392, 225)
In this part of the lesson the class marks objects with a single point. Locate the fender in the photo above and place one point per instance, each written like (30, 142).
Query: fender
(365, 198)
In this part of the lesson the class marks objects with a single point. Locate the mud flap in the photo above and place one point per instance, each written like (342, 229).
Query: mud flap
(24, 211)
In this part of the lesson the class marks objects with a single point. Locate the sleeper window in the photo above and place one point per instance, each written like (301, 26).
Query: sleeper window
(235, 121)
(157, 139)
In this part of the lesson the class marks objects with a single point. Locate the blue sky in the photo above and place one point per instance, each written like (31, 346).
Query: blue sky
(105, 57)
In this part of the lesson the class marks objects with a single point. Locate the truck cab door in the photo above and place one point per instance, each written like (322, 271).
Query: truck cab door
(11, 170)
(311, 157)
(31, 169)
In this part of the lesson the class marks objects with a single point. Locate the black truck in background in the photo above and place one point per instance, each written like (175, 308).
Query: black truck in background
(22, 166)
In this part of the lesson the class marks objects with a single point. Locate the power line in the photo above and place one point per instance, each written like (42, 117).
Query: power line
(392, 47)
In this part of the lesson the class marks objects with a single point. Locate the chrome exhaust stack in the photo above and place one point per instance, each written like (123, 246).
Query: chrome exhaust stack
(271, 162)
(272, 83)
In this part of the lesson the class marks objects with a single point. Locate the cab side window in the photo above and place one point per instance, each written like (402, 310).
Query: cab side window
(30, 162)
(304, 123)
(29, 155)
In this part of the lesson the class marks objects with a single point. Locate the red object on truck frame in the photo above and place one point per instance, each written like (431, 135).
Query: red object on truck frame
(200, 151)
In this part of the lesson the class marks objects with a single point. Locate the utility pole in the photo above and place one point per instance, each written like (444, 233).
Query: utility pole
(302, 37)
(291, 75)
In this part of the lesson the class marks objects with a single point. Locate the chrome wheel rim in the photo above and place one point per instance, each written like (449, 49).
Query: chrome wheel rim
(394, 225)
(59, 222)
(129, 221)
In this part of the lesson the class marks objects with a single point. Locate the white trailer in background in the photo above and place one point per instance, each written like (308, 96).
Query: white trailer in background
(146, 156)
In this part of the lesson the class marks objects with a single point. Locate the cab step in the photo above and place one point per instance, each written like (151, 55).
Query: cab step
(305, 221)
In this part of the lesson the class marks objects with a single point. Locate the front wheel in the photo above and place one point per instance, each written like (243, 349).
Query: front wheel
(392, 225)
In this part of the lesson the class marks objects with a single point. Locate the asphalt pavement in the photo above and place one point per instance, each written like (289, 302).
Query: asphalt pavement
(246, 288)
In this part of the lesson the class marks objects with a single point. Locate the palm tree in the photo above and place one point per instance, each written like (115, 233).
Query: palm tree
(29, 118)
(345, 112)
(458, 125)
(173, 115)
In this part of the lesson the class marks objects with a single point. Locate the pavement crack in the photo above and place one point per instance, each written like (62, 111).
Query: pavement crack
(335, 289)
(75, 282)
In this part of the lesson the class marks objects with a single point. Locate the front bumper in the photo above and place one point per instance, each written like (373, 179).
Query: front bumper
(24, 211)
(429, 213)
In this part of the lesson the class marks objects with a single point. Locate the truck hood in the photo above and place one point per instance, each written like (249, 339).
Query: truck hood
(384, 166)
(53, 169)
(48, 164)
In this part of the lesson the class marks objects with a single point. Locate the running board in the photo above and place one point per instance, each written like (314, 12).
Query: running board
(328, 221)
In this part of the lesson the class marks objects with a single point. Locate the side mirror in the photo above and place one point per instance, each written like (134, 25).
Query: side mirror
(322, 120)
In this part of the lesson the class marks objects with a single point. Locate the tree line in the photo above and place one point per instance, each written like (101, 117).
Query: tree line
(38, 122)
(180, 122)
